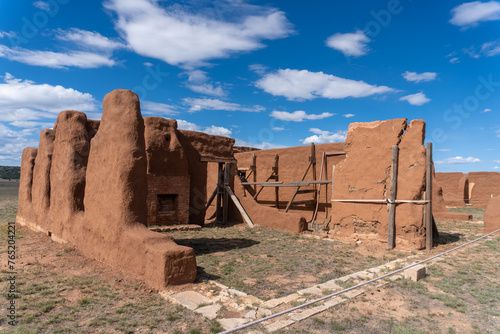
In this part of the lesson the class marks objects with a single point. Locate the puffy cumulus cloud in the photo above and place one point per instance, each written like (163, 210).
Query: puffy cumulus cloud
(298, 116)
(322, 137)
(189, 36)
(81, 59)
(306, 85)
(214, 104)
(417, 99)
(472, 13)
(155, 108)
(350, 44)
(211, 130)
(419, 77)
(458, 160)
(26, 100)
(89, 39)
(199, 82)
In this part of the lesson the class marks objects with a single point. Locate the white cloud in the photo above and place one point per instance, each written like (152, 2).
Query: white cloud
(458, 160)
(472, 13)
(43, 5)
(496, 167)
(218, 131)
(305, 85)
(417, 99)
(298, 116)
(498, 132)
(258, 68)
(89, 39)
(7, 34)
(348, 115)
(454, 60)
(443, 150)
(486, 110)
(322, 137)
(23, 100)
(262, 145)
(491, 48)
(199, 82)
(191, 36)
(277, 128)
(419, 77)
(214, 104)
(81, 59)
(211, 130)
(149, 107)
(148, 64)
(350, 44)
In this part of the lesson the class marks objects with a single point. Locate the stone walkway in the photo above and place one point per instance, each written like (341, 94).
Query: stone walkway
(233, 308)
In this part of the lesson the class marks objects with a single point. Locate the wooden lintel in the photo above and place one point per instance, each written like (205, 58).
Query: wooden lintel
(334, 153)
(220, 160)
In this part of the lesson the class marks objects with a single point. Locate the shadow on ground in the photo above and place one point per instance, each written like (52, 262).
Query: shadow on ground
(213, 245)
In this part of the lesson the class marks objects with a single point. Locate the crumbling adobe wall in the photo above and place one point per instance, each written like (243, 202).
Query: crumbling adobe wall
(483, 186)
(167, 171)
(365, 174)
(41, 179)
(293, 162)
(439, 208)
(492, 215)
(98, 202)
(455, 188)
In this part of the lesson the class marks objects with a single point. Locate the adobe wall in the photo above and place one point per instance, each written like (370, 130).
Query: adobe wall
(293, 162)
(455, 188)
(492, 215)
(365, 174)
(439, 206)
(482, 187)
(167, 172)
(98, 193)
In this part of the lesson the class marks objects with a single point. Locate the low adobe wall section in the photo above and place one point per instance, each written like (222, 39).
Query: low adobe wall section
(88, 187)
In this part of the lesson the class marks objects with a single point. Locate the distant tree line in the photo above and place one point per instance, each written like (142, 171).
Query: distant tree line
(10, 172)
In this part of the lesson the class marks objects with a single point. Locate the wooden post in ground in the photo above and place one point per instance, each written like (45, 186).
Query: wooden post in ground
(325, 166)
(313, 161)
(428, 191)
(225, 205)
(218, 205)
(391, 233)
(276, 170)
(254, 171)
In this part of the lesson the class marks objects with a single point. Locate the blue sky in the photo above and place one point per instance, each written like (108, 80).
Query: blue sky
(267, 73)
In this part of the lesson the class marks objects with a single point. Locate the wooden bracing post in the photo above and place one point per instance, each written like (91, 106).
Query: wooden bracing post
(254, 171)
(391, 233)
(428, 191)
(220, 190)
(272, 176)
(276, 172)
(312, 163)
(225, 206)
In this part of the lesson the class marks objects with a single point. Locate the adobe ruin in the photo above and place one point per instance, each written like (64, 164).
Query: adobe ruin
(99, 184)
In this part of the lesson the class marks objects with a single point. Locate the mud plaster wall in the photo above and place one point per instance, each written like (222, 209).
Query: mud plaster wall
(98, 196)
(492, 215)
(293, 162)
(455, 188)
(482, 187)
(439, 207)
(365, 174)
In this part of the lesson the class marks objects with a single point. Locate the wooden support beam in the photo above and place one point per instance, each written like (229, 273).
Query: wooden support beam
(225, 205)
(276, 172)
(254, 171)
(211, 199)
(218, 160)
(428, 190)
(313, 161)
(218, 205)
(391, 233)
(239, 207)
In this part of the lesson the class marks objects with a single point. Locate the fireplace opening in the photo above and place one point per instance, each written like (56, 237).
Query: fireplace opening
(167, 208)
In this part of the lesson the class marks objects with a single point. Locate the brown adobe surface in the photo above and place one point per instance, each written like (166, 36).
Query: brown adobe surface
(492, 215)
(483, 186)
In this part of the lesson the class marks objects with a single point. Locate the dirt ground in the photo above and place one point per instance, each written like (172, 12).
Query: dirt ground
(59, 291)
